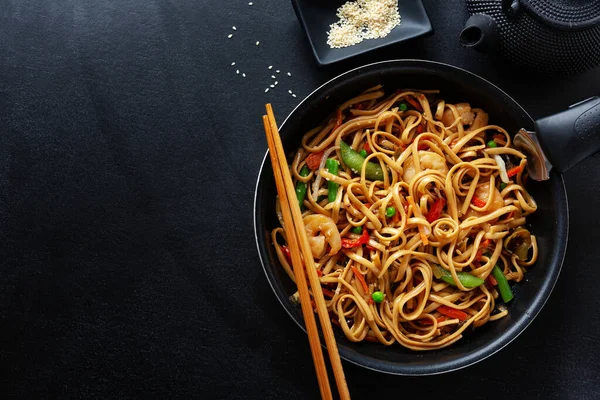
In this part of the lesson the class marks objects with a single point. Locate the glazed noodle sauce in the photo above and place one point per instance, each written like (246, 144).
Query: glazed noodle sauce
(415, 211)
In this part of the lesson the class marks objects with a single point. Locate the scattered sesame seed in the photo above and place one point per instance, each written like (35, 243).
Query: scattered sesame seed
(275, 83)
(270, 67)
(289, 91)
(257, 42)
(273, 76)
(289, 74)
(233, 63)
(293, 95)
(266, 90)
(278, 71)
(250, 3)
(237, 71)
(243, 75)
(230, 35)
(272, 86)
(234, 28)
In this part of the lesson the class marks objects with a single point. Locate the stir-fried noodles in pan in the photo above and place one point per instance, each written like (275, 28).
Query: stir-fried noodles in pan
(415, 211)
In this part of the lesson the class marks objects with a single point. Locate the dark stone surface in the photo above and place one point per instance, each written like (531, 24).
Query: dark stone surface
(129, 150)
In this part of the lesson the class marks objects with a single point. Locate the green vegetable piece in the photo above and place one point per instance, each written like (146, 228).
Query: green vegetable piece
(332, 187)
(468, 280)
(355, 161)
(403, 107)
(503, 286)
(502, 186)
(491, 144)
(377, 297)
(301, 186)
(363, 153)
(390, 212)
(357, 229)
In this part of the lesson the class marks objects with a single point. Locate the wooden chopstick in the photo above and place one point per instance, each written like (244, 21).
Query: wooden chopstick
(309, 317)
(287, 197)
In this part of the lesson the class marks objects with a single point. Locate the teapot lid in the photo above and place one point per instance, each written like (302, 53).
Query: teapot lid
(569, 15)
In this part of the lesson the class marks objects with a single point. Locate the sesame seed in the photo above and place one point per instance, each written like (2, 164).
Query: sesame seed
(233, 63)
(272, 86)
(266, 90)
(278, 71)
(270, 67)
(293, 95)
(230, 35)
(289, 74)
(275, 83)
(237, 71)
(273, 76)
(250, 3)
(234, 28)
(243, 75)
(257, 42)
(289, 91)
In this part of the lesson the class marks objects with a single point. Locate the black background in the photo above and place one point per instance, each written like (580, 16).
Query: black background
(129, 150)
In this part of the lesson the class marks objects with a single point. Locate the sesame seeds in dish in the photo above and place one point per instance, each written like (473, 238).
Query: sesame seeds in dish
(363, 19)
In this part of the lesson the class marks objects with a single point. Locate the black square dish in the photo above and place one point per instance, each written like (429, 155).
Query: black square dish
(316, 16)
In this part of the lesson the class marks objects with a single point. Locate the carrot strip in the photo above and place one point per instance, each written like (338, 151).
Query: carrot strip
(361, 279)
(514, 171)
(453, 313)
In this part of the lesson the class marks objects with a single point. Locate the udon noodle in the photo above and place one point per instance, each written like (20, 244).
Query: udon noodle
(415, 211)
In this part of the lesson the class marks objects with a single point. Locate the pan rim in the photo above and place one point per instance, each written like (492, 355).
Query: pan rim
(486, 350)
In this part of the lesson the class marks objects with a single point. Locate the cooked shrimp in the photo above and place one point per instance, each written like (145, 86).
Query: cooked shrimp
(428, 160)
(321, 230)
(464, 112)
(481, 119)
(483, 192)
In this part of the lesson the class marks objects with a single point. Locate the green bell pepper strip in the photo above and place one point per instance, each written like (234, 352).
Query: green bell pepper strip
(301, 186)
(332, 187)
(503, 286)
(467, 280)
(355, 161)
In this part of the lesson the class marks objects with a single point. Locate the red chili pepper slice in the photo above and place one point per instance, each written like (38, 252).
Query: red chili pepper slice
(490, 280)
(363, 239)
(478, 202)
(453, 313)
(367, 148)
(286, 253)
(314, 160)
(436, 210)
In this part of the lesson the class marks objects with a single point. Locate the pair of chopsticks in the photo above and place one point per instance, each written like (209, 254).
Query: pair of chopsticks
(299, 250)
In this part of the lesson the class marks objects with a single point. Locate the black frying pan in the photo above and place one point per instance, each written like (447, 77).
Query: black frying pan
(550, 223)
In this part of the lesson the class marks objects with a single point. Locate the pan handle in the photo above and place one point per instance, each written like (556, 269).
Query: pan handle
(572, 135)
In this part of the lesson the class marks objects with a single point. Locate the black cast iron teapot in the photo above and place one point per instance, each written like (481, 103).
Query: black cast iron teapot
(553, 36)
